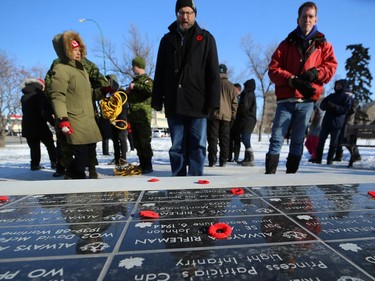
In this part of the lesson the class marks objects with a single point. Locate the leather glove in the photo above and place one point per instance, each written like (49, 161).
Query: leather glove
(310, 75)
(303, 87)
(65, 126)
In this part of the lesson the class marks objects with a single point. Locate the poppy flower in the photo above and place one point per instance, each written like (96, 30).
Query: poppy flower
(4, 198)
(372, 193)
(237, 191)
(203, 182)
(153, 180)
(149, 214)
(220, 230)
(199, 37)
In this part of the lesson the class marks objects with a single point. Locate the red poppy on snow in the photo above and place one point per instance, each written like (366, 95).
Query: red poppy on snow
(149, 214)
(220, 230)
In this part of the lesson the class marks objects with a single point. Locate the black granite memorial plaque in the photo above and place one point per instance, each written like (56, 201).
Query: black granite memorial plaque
(61, 214)
(79, 198)
(293, 190)
(194, 194)
(314, 203)
(59, 240)
(211, 208)
(193, 233)
(361, 252)
(53, 269)
(343, 225)
(298, 262)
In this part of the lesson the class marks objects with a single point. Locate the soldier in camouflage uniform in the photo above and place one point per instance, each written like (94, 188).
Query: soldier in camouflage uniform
(100, 86)
(139, 115)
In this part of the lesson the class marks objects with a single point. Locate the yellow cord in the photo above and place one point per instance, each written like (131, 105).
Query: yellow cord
(111, 107)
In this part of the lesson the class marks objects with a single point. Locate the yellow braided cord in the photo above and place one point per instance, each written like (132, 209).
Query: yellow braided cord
(111, 107)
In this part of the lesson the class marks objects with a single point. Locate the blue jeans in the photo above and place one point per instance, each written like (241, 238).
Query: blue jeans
(295, 115)
(189, 137)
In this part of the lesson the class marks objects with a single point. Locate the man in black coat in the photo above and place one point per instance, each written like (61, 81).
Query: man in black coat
(187, 83)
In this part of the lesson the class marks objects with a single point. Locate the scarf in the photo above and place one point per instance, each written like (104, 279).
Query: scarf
(308, 36)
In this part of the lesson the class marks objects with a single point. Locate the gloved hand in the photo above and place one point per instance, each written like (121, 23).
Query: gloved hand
(303, 87)
(112, 88)
(310, 75)
(65, 126)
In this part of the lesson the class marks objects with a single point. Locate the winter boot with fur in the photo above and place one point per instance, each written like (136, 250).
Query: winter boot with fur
(292, 163)
(249, 158)
(272, 161)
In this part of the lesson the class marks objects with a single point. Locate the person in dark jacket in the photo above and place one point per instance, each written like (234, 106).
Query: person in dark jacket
(235, 134)
(299, 67)
(36, 113)
(246, 120)
(336, 105)
(219, 121)
(187, 83)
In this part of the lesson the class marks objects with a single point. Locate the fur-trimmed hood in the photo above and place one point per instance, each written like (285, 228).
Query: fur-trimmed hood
(63, 47)
(31, 84)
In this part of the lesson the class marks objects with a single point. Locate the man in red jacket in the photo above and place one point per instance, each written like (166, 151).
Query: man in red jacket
(299, 67)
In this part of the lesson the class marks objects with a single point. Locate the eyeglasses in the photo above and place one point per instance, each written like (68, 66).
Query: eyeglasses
(183, 13)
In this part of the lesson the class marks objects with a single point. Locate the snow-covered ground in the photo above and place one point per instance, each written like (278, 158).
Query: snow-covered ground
(15, 166)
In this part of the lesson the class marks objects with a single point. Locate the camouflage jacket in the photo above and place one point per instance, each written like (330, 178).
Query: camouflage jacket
(139, 99)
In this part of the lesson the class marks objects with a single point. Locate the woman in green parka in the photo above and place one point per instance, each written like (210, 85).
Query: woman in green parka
(71, 97)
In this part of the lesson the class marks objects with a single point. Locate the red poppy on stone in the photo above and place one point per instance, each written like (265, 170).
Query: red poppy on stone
(199, 37)
(203, 182)
(220, 230)
(4, 199)
(237, 191)
(372, 193)
(149, 214)
(153, 180)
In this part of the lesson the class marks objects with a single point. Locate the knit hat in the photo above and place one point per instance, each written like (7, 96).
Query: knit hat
(186, 3)
(222, 68)
(139, 62)
(42, 81)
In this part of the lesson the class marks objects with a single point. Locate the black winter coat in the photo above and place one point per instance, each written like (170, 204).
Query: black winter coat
(336, 105)
(187, 80)
(247, 108)
(36, 110)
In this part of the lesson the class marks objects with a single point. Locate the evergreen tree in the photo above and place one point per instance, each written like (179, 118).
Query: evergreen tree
(358, 75)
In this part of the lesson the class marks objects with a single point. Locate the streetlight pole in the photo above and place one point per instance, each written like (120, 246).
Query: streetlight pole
(102, 37)
(105, 145)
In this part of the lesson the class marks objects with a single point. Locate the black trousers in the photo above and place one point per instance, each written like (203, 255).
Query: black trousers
(35, 152)
(218, 132)
(81, 158)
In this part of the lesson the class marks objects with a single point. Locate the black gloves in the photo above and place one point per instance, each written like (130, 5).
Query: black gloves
(303, 87)
(310, 75)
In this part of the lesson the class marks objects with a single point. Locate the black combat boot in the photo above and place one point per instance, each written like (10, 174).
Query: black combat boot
(272, 161)
(292, 163)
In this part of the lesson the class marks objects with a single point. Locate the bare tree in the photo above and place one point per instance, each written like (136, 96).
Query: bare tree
(259, 58)
(133, 45)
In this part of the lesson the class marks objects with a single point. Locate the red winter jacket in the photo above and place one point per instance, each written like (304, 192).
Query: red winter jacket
(288, 60)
